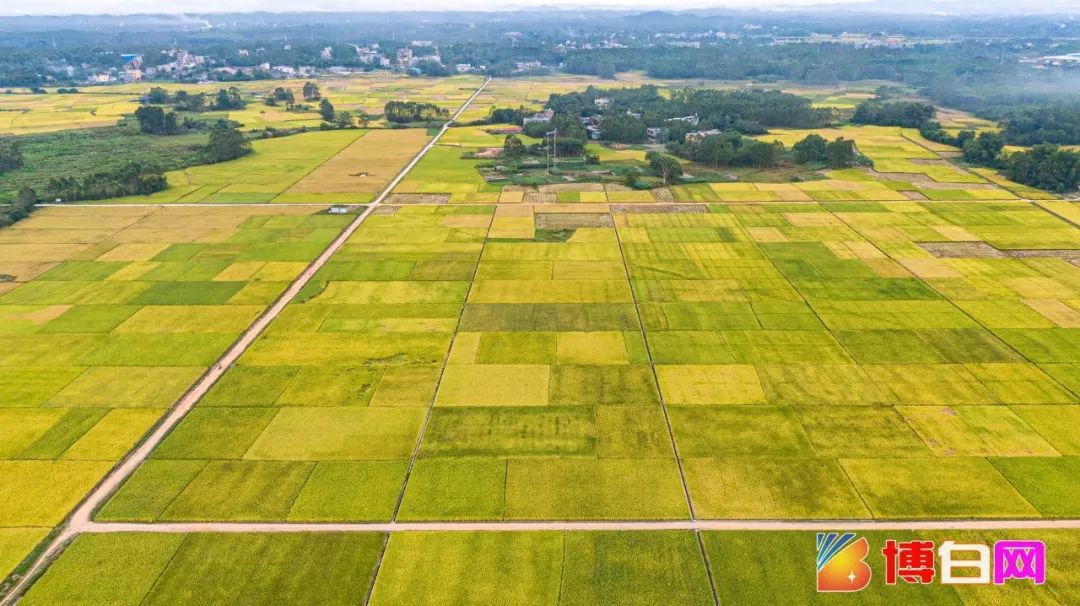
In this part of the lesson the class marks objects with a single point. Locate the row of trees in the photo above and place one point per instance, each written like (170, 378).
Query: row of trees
(402, 112)
(909, 114)
(225, 99)
(729, 149)
(733, 149)
(814, 149)
(133, 178)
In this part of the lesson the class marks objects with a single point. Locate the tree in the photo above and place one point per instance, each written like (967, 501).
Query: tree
(666, 167)
(729, 149)
(282, 95)
(343, 120)
(154, 120)
(1059, 123)
(11, 156)
(840, 153)
(226, 143)
(157, 95)
(909, 114)
(507, 115)
(326, 110)
(311, 92)
(184, 102)
(512, 146)
(25, 199)
(984, 149)
(364, 118)
(228, 99)
(623, 128)
(810, 150)
(402, 112)
(759, 154)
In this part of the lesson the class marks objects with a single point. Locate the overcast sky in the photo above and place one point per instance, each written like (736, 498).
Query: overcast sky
(117, 7)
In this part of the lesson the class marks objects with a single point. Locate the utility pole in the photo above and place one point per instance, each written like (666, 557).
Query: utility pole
(554, 134)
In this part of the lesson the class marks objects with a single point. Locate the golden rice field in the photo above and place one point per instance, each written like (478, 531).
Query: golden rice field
(347, 166)
(94, 106)
(23, 113)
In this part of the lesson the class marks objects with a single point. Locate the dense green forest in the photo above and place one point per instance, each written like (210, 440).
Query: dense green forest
(909, 114)
(747, 111)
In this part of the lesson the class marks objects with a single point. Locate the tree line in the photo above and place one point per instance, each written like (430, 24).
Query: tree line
(225, 99)
(626, 112)
(733, 149)
(403, 112)
(133, 178)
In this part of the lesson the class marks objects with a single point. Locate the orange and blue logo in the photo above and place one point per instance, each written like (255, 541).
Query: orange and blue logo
(840, 562)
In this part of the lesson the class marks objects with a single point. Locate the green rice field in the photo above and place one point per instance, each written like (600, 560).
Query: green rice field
(812, 359)
(108, 315)
(892, 345)
(506, 567)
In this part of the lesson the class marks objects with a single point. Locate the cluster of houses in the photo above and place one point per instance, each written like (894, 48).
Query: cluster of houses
(132, 69)
(181, 61)
(593, 126)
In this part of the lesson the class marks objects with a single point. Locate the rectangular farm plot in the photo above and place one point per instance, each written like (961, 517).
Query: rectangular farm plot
(274, 166)
(536, 568)
(938, 488)
(358, 172)
(144, 568)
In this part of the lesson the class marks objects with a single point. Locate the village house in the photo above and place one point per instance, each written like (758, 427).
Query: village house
(544, 116)
(691, 120)
(697, 136)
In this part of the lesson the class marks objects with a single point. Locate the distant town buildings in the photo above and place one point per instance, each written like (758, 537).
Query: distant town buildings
(367, 54)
